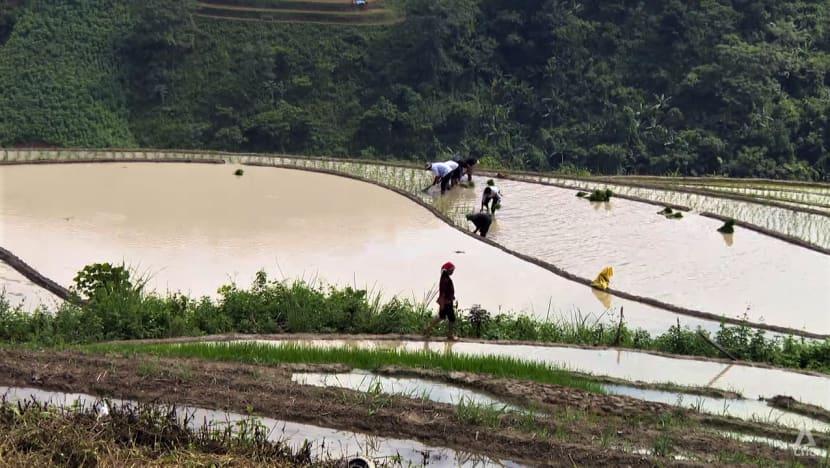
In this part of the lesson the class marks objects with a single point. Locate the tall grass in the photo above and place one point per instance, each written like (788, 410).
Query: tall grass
(368, 359)
(38, 434)
(122, 310)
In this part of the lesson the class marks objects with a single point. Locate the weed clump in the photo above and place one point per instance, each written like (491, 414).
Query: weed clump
(239, 172)
(728, 227)
(582, 194)
(38, 434)
(600, 195)
(670, 213)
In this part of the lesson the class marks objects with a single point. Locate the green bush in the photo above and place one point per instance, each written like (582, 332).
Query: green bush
(118, 308)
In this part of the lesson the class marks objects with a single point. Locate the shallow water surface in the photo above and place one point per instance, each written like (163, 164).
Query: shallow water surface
(20, 292)
(746, 409)
(327, 443)
(685, 262)
(363, 381)
(751, 382)
(195, 227)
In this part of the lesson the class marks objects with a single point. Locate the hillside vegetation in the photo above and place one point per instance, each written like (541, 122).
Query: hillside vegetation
(612, 86)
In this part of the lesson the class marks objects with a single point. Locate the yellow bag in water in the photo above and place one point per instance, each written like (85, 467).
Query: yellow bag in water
(603, 278)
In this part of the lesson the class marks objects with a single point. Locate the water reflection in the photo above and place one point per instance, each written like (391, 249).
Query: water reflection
(682, 262)
(603, 297)
(326, 443)
(751, 382)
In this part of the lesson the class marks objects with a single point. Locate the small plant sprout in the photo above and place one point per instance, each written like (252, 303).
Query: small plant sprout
(239, 172)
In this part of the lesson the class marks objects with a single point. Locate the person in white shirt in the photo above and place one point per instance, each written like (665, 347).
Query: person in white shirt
(443, 173)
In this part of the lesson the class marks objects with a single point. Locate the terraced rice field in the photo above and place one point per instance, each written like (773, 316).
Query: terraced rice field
(290, 11)
(747, 275)
(320, 400)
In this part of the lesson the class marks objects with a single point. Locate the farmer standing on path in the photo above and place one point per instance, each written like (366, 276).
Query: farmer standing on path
(446, 298)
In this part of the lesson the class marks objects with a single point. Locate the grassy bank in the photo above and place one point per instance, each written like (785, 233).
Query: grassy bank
(260, 353)
(116, 307)
(34, 434)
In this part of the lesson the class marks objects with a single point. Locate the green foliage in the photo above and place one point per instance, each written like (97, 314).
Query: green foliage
(100, 279)
(117, 307)
(61, 77)
(687, 88)
(598, 195)
(369, 359)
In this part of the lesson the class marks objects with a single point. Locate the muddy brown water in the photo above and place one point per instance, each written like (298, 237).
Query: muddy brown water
(685, 262)
(326, 443)
(195, 227)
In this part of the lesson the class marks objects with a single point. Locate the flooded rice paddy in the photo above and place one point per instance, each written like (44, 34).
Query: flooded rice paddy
(749, 381)
(685, 262)
(326, 443)
(193, 228)
(810, 227)
(363, 381)
(746, 409)
(367, 382)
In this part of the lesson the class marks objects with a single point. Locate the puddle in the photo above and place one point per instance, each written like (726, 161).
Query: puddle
(328, 443)
(799, 449)
(749, 410)
(751, 382)
(363, 381)
(198, 229)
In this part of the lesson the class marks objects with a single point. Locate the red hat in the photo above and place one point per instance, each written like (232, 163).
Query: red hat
(447, 266)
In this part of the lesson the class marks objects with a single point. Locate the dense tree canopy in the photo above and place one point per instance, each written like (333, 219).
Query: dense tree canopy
(738, 87)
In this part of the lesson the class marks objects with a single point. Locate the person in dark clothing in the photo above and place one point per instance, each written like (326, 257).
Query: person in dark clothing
(465, 166)
(482, 222)
(446, 302)
(491, 198)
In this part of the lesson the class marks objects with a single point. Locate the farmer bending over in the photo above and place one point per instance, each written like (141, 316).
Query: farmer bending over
(442, 173)
(491, 198)
(446, 298)
(482, 222)
(467, 167)
(455, 171)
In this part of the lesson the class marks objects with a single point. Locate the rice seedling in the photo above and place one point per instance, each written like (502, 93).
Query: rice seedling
(369, 359)
(478, 414)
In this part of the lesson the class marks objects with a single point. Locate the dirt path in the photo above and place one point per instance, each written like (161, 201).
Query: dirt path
(583, 429)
